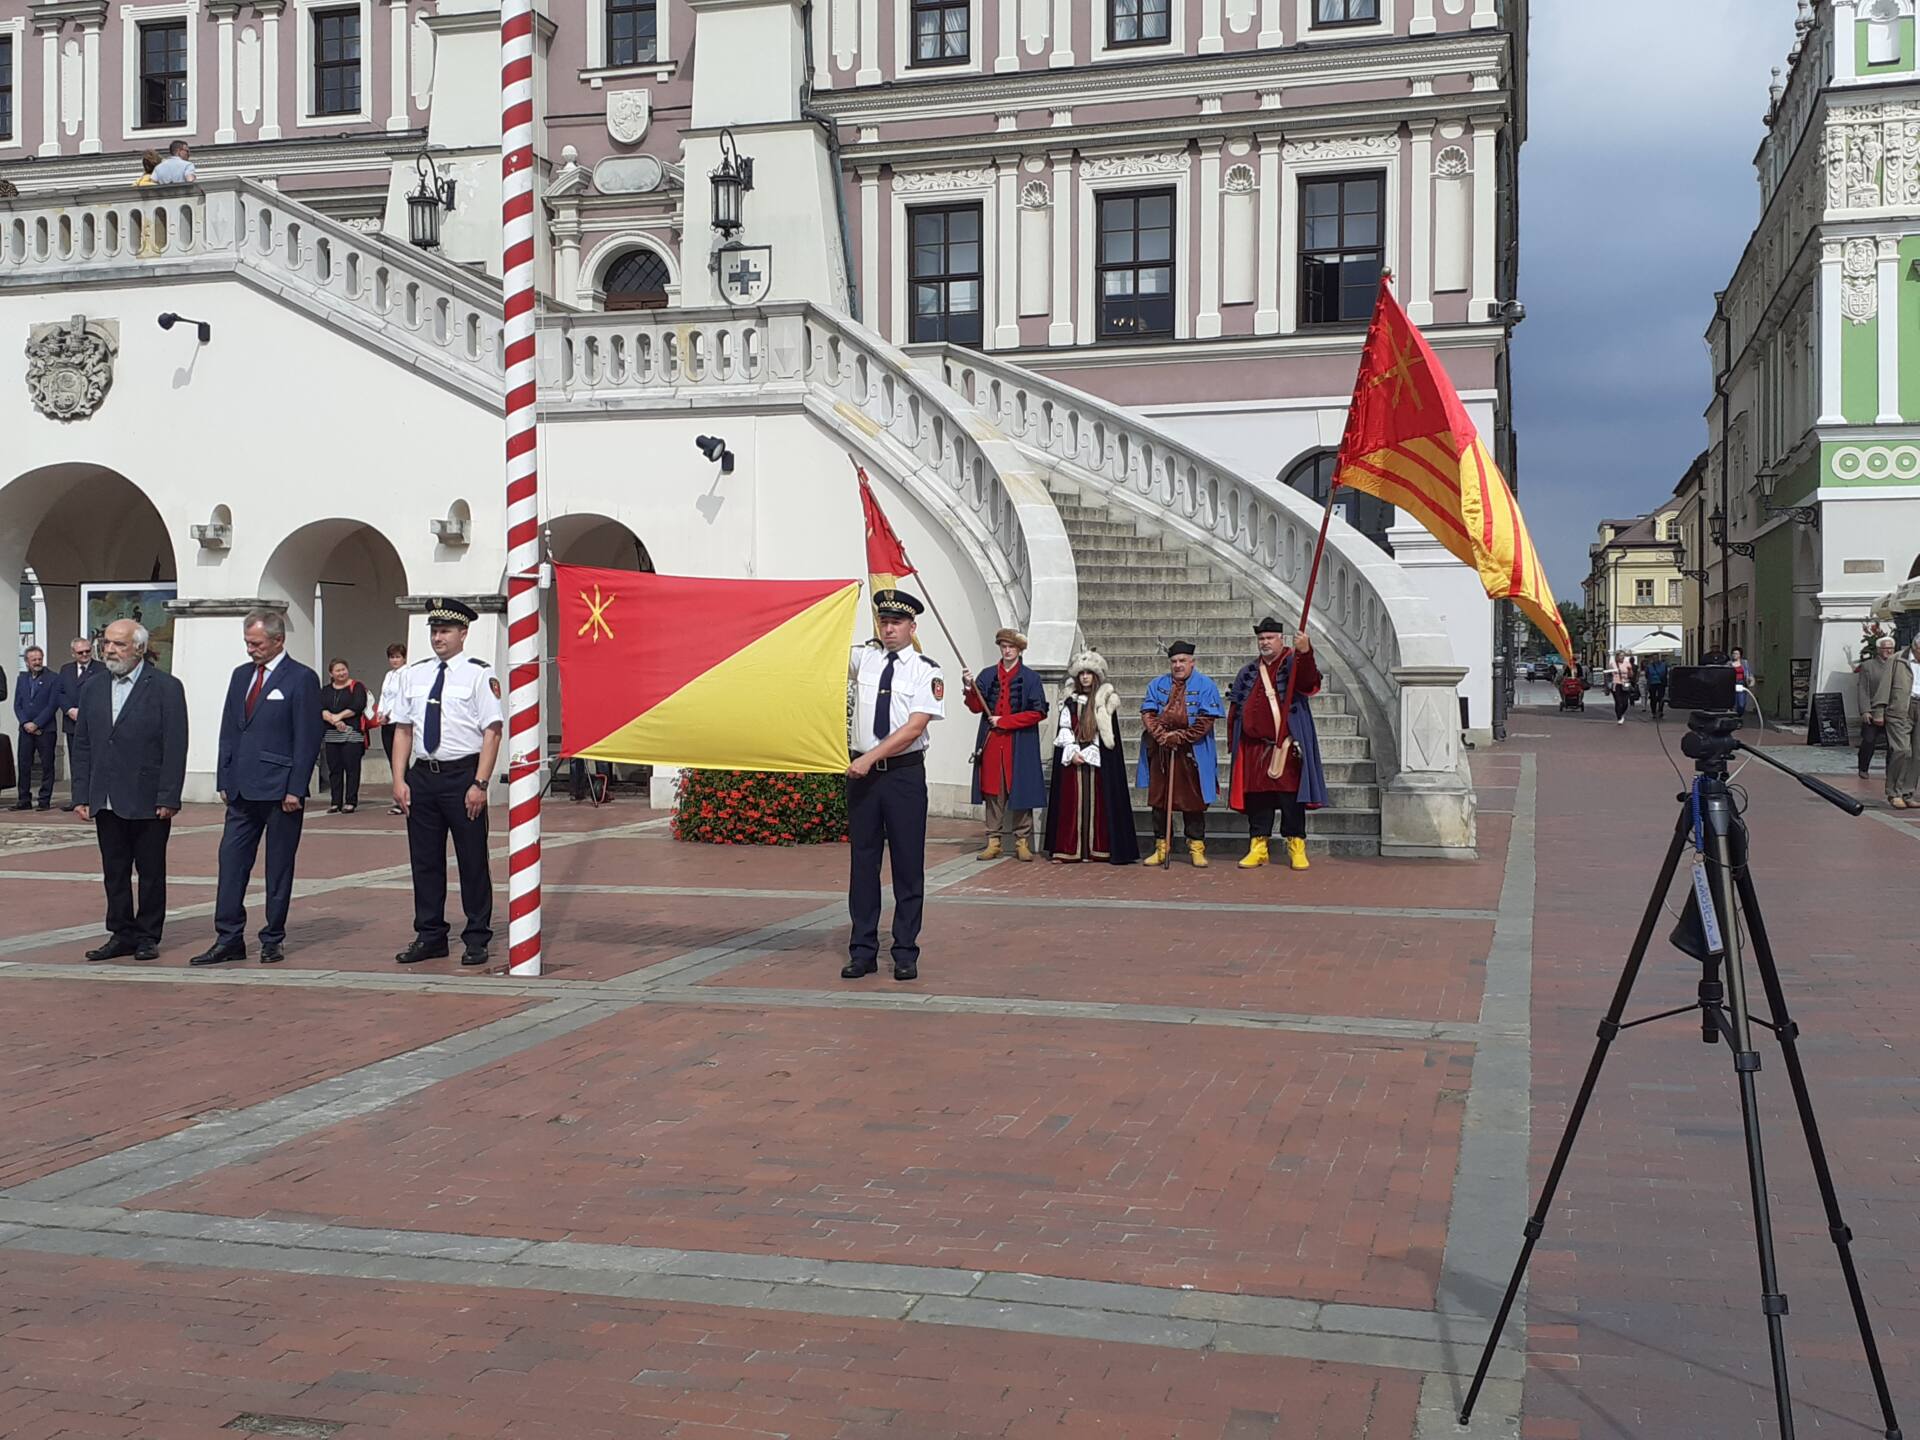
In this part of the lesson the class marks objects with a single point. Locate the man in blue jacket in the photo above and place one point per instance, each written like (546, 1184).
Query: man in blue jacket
(35, 704)
(269, 741)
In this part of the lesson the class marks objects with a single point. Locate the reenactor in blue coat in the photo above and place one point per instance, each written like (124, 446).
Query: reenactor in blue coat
(1008, 777)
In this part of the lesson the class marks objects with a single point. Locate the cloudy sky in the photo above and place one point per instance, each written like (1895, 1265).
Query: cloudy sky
(1637, 195)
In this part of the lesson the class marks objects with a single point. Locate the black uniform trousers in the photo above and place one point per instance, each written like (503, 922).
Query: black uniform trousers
(439, 810)
(40, 746)
(247, 821)
(1261, 805)
(127, 846)
(888, 809)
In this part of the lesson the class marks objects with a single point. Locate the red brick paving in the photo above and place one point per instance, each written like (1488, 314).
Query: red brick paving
(89, 1068)
(108, 1348)
(1268, 1163)
(1322, 964)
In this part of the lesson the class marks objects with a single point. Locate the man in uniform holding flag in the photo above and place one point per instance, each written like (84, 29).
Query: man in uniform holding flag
(898, 693)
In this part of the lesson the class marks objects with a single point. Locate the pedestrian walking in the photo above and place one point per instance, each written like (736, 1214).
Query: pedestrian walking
(898, 693)
(1622, 686)
(1657, 686)
(1903, 734)
(448, 730)
(269, 738)
(1179, 764)
(1883, 683)
(36, 697)
(343, 710)
(129, 765)
(1008, 777)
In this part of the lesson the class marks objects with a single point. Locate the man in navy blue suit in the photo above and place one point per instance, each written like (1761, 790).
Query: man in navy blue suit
(269, 740)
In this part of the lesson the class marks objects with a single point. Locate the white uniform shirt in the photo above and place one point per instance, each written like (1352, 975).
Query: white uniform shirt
(392, 686)
(468, 705)
(918, 689)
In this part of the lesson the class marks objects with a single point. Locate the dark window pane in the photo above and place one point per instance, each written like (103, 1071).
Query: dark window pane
(941, 31)
(1342, 250)
(1136, 271)
(631, 30)
(6, 87)
(163, 73)
(946, 282)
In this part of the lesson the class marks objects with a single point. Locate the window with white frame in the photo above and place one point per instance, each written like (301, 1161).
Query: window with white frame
(1643, 592)
(163, 74)
(336, 61)
(1329, 13)
(6, 87)
(1342, 246)
(637, 280)
(941, 31)
(1138, 22)
(1135, 266)
(1674, 592)
(633, 32)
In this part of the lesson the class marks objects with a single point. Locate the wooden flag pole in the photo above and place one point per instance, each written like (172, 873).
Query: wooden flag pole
(1306, 606)
(932, 608)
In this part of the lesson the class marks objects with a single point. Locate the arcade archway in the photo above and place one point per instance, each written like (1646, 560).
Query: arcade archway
(339, 578)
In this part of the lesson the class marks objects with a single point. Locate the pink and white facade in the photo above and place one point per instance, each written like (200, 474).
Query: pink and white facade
(1018, 250)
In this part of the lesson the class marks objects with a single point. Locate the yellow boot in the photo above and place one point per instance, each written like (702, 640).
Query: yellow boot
(1256, 853)
(1197, 852)
(1159, 856)
(992, 852)
(1296, 852)
(1022, 850)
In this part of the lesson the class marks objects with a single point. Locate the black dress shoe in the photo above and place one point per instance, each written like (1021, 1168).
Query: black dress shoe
(69, 809)
(146, 950)
(271, 954)
(112, 950)
(44, 805)
(474, 955)
(856, 970)
(420, 950)
(219, 953)
(25, 805)
(906, 972)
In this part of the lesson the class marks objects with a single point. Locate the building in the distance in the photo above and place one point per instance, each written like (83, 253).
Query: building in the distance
(1634, 593)
(1814, 429)
(1083, 285)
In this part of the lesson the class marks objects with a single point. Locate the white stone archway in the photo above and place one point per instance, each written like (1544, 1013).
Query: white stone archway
(593, 273)
(339, 579)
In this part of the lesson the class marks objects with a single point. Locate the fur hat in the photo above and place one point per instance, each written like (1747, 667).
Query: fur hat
(1010, 636)
(1087, 660)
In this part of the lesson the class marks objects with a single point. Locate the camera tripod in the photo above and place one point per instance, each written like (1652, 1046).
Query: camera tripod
(1723, 894)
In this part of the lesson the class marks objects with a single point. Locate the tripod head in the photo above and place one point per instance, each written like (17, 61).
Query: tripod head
(1710, 742)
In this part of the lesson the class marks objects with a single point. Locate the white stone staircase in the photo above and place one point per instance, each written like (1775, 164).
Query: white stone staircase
(1137, 594)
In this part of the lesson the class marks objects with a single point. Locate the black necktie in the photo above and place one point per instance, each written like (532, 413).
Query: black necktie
(883, 702)
(430, 727)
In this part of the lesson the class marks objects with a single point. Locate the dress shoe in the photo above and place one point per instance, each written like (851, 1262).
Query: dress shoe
(1159, 856)
(146, 950)
(24, 805)
(218, 954)
(1022, 851)
(112, 950)
(420, 950)
(69, 809)
(1296, 852)
(44, 805)
(858, 970)
(474, 955)
(1256, 853)
(271, 954)
(906, 972)
(992, 851)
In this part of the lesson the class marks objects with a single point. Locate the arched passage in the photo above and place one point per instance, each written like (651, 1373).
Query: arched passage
(582, 539)
(78, 526)
(339, 578)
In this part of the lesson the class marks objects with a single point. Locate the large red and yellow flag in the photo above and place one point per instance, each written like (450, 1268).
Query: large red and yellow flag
(704, 674)
(1409, 441)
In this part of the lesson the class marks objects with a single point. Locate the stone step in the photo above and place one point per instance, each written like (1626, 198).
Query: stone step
(1095, 594)
(1187, 609)
(1087, 526)
(1158, 568)
(1110, 548)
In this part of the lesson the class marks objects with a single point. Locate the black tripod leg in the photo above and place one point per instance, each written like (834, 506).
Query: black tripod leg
(1789, 1035)
(1609, 1027)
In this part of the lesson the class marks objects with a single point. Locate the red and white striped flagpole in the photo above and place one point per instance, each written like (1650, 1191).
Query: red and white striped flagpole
(523, 491)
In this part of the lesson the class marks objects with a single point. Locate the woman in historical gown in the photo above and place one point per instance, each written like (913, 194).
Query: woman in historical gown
(1089, 807)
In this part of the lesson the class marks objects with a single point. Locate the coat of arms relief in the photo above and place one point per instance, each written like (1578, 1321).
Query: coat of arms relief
(70, 366)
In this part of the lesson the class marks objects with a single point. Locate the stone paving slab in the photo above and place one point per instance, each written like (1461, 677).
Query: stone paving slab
(1273, 1164)
(86, 1070)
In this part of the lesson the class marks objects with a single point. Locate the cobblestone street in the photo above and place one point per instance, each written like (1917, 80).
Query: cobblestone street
(1215, 1156)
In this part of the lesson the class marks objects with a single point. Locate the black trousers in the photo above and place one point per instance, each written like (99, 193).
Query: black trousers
(887, 810)
(1657, 700)
(247, 822)
(1195, 822)
(1871, 737)
(127, 846)
(438, 811)
(1261, 805)
(343, 771)
(1621, 699)
(386, 741)
(31, 747)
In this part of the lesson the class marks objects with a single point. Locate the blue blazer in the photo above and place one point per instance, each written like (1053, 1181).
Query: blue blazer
(139, 762)
(35, 697)
(271, 755)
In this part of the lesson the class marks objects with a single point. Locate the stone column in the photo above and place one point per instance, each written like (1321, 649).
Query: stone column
(1845, 37)
(1060, 328)
(1832, 405)
(1270, 32)
(1423, 22)
(1485, 224)
(1888, 257)
(223, 12)
(1211, 42)
(1267, 317)
(1484, 15)
(873, 310)
(1062, 55)
(566, 230)
(1005, 314)
(269, 12)
(49, 86)
(90, 69)
(869, 71)
(1427, 809)
(1207, 325)
(1009, 56)
(1420, 263)
(397, 20)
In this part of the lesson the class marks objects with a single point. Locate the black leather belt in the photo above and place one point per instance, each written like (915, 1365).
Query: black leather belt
(465, 762)
(898, 762)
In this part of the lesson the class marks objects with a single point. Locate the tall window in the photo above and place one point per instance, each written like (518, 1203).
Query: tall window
(940, 32)
(946, 274)
(633, 36)
(163, 74)
(1136, 265)
(1345, 12)
(637, 281)
(1138, 22)
(1643, 592)
(1674, 592)
(6, 87)
(336, 62)
(1369, 514)
(1342, 247)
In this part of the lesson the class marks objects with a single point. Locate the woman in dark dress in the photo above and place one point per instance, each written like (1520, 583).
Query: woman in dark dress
(1089, 807)
(343, 705)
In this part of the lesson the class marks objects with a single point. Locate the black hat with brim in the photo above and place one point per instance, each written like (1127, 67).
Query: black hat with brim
(1180, 647)
(897, 603)
(448, 611)
(1269, 626)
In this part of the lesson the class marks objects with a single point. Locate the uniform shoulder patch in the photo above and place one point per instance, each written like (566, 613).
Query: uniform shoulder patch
(931, 661)
(476, 660)
(939, 688)
(874, 645)
(493, 684)
(428, 661)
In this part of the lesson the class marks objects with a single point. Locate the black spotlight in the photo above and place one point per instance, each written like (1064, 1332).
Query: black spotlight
(168, 320)
(715, 449)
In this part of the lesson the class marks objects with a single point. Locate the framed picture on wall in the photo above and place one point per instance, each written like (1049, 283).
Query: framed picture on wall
(143, 602)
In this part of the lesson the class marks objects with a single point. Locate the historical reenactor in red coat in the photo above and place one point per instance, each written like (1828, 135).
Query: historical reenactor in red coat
(1008, 777)
(1269, 775)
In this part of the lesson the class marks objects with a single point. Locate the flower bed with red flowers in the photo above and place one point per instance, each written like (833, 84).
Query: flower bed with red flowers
(752, 807)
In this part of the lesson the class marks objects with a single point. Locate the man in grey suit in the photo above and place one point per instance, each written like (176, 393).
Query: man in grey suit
(129, 764)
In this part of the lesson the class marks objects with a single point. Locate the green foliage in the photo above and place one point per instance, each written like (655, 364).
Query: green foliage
(750, 807)
(1573, 616)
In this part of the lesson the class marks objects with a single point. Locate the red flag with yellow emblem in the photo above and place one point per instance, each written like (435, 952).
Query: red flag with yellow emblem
(1409, 441)
(704, 674)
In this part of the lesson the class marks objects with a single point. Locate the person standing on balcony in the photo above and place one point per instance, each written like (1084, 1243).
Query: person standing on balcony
(1271, 774)
(1177, 750)
(1008, 777)
(1090, 808)
(149, 162)
(177, 168)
